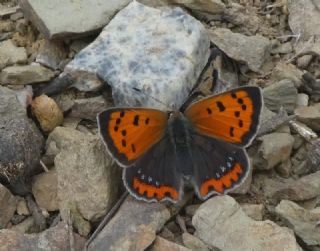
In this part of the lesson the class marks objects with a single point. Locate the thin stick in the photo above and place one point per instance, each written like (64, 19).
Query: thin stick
(106, 219)
(45, 168)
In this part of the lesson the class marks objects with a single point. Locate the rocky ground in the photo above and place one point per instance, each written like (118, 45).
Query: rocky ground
(58, 70)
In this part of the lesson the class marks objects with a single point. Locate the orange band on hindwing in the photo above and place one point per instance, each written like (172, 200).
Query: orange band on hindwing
(225, 182)
(150, 191)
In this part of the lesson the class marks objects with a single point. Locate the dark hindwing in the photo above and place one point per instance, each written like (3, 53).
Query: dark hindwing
(154, 176)
(218, 167)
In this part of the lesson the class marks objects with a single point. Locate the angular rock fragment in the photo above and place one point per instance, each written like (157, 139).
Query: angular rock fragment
(251, 50)
(304, 18)
(161, 244)
(88, 108)
(301, 189)
(254, 211)
(44, 190)
(221, 223)
(314, 155)
(274, 149)
(303, 222)
(7, 11)
(53, 239)
(287, 71)
(281, 94)
(310, 115)
(144, 220)
(87, 180)
(27, 74)
(211, 6)
(162, 55)
(194, 243)
(91, 15)
(248, 20)
(8, 205)
(51, 53)
(13, 53)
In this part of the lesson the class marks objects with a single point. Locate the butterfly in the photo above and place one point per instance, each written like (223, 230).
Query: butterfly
(203, 144)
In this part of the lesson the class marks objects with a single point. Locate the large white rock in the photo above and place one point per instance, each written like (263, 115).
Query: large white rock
(220, 222)
(158, 51)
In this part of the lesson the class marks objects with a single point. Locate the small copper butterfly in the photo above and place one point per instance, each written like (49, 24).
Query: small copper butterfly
(202, 144)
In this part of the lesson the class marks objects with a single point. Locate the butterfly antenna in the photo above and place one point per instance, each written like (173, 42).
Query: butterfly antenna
(154, 98)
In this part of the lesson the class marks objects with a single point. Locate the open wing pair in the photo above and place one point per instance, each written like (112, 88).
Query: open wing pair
(222, 124)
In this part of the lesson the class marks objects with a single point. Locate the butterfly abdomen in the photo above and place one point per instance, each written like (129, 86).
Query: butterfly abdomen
(179, 132)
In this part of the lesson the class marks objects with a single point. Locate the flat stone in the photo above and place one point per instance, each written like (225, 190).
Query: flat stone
(163, 53)
(44, 190)
(13, 53)
(27, 226)
(53, 239)
(302, 100)
(304, 18)
(161, 244)
(303, 222)
(274, 149)
(7, 11)
(144, 221)
(194, 243)
(47, 112)
(82, 162)
(16, 16)
(310, 115)
(8, 205)
(6, 26)
(251, 50)
(20, 142)
(304, 188)
(22, 208)
(281, 94)
(284, 48)
(210, 6)
(254, 211)
(88, 108)
(304, 61)
(220, 222)
(26, 74)
(287, 71)
(247, 19)
(91, 15)
(51, 53)
(314, 155)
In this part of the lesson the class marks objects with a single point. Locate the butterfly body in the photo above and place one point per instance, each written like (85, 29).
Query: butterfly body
(203, 144)
(180, 131)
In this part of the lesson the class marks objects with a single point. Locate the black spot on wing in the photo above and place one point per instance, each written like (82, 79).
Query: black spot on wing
(136, 120)
(220, 106)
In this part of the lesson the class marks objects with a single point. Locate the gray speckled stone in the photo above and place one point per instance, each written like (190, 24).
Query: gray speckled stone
(161, 52)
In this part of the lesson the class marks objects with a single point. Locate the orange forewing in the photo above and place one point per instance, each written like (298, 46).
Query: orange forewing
(130, 132)
(231, 116)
